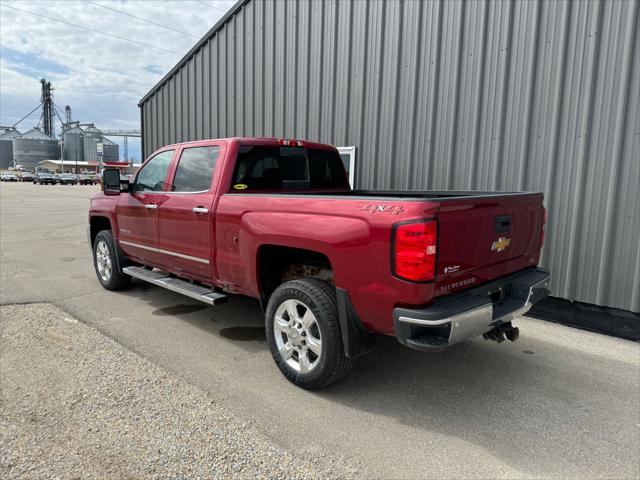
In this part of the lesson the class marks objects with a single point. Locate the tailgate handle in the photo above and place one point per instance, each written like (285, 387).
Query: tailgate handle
(502, 223)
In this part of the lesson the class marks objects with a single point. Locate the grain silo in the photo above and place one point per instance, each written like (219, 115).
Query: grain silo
(110, 150)
(73, 144)
(92, 137)
(6, 147)
(33, 147)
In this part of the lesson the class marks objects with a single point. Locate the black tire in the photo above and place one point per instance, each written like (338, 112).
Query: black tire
(320, 298)
(116, 280)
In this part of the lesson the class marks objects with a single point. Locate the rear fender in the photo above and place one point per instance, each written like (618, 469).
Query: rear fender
(331, 236)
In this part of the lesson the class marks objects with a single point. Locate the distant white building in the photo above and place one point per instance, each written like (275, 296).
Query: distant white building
(71, 166)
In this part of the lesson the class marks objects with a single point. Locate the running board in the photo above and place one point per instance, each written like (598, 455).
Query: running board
(164, 280)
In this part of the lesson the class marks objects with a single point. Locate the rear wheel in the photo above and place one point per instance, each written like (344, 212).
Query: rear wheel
(303, 333)
(105, 263)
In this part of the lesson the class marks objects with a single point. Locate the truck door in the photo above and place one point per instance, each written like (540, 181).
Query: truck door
(186, 223)
(138, 212)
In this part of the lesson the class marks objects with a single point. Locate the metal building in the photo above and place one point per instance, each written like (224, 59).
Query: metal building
(92, 137)
(518, 95)
(73, 144)
(6, 147)
(33, 147)
(110, 151)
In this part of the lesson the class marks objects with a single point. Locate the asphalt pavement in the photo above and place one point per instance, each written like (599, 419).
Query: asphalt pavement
(559, 402)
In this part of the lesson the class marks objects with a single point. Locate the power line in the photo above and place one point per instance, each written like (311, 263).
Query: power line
(23, 118)
(59, 109)
(141, 19)
(211, 6)
(90, 29)
(59, 118)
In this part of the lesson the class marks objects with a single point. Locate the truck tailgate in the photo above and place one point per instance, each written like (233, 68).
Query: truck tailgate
(486, 237)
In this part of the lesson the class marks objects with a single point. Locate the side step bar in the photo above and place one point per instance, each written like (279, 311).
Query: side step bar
(164, 280)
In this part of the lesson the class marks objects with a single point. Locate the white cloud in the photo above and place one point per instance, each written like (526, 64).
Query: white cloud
(101, 77)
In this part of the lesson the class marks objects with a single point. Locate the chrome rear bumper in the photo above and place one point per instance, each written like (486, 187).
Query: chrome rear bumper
(471, 313)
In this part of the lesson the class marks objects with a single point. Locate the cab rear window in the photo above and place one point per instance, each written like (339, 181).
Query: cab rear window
(272, 168)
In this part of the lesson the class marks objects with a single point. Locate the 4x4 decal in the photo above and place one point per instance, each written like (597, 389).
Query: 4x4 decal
(392, 209)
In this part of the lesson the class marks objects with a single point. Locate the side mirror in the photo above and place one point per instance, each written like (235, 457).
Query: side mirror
(111, 181)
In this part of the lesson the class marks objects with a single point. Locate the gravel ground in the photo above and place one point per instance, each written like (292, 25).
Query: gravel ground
(76, 404)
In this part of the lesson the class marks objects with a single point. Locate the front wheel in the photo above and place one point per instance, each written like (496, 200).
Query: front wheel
(303, 333)
(105, 263)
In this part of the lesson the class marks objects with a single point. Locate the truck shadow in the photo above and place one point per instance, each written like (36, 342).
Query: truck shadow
(514, 400)
(518, 401)
(239, 321)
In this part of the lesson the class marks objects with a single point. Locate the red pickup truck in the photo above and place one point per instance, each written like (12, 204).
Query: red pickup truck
(276, 220)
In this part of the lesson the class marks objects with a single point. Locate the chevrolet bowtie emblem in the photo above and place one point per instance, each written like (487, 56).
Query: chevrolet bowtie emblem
(501, 244)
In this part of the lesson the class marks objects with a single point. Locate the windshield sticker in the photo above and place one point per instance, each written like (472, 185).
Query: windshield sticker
(239, 186)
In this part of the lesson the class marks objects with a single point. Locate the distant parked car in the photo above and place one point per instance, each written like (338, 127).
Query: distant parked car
(66, 179)
(8, 177)
(85, 179)
(44, 178)
(26, 176)
(97, 179)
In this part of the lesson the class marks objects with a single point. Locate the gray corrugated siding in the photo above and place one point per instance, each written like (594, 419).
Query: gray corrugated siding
(445, 95)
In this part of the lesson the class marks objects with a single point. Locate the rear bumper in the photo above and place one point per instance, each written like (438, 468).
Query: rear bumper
(470, 313)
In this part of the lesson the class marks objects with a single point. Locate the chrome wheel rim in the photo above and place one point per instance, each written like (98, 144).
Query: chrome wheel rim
(297, 336)
(103, 261)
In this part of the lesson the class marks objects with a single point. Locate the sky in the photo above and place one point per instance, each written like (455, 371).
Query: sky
(100, 76)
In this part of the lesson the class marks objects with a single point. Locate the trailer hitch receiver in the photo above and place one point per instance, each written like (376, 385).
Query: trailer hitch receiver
(503, 332)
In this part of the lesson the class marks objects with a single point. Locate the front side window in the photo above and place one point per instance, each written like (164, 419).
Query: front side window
(152, 176)
(195, 169)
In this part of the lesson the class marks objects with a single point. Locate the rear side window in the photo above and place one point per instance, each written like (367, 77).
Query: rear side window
(195, 169)
(287, 168)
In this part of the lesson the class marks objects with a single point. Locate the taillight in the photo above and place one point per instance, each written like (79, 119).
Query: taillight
(290, 143)
(414, 250)
(544, 223)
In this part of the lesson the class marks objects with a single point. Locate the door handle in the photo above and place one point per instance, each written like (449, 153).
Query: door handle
(201, 210)
(150, 206)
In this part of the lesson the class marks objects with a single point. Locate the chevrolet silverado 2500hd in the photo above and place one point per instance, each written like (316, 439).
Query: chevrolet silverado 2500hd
(276, 220)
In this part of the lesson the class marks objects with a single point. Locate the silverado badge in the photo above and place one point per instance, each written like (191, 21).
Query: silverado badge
(501, 244)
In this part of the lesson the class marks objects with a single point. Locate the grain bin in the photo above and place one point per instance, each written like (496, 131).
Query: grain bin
(33, 147)
(73, 144)
(110, 150)
(6, 147)
(92, 137)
